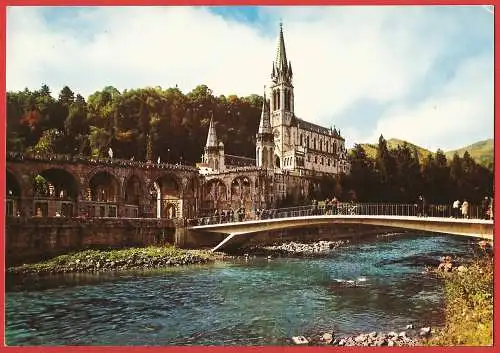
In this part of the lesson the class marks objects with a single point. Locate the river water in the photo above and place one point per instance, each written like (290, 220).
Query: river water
(254, 302)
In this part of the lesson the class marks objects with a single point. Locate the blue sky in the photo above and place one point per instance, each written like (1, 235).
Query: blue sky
(424, 74)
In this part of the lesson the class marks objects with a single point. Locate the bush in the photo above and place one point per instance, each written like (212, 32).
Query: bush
(469, 306)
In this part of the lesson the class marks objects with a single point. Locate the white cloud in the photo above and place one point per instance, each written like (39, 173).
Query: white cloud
(463, 107)
(339, 54)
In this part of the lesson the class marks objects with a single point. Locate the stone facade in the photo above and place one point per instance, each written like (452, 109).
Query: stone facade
(289, 152)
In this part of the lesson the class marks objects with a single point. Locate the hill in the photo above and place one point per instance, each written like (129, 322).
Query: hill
(371, 149)
(481, 151)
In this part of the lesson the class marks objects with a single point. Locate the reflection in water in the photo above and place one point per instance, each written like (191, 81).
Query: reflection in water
(360, 287)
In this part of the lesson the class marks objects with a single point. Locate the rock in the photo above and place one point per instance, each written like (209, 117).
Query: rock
(392, 334)
(299, 340)
(391, 343)
(461, 268)
(359, 338)
(425, 331)
(373, 334)
(327, 338)
(402, 334)
(342, 342)
(409, 327)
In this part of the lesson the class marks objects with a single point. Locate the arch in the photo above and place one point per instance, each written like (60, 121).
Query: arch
(277, 162)
(56, 182)
(165, 190)
(13, 194)
(104, 187)
(170, 211)
(240, 188)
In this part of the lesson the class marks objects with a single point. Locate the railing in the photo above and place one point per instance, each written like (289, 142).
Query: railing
(67, 158)
(347, 209)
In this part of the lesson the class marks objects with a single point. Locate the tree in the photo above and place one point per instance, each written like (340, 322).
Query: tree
(66, 96)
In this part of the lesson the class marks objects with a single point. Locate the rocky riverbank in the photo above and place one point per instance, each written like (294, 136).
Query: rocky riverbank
(409, 337)
(321, 247)
(123, 259)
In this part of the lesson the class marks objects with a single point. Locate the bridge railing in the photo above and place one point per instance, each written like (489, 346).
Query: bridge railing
(347, 209)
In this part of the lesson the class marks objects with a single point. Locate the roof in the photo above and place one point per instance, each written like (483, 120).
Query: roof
(306, 125)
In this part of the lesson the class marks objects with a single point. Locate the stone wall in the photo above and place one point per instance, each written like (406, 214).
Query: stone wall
(35, 239)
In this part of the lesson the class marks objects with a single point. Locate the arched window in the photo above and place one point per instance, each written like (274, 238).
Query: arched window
(278, 99)
(321, 145)
(314, 143)
(308, 144)
(301, 140)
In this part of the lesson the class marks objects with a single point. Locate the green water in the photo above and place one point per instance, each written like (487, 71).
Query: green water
(254, 302)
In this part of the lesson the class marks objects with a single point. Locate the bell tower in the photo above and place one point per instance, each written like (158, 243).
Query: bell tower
(282, 99)
(264, 149)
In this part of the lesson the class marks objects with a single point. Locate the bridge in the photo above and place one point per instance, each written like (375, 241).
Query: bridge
(435, 219)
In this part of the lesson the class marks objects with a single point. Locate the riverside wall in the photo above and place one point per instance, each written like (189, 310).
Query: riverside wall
(35, 239)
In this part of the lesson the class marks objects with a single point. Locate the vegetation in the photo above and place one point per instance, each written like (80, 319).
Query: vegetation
(106, 260)
(148, 123)
(141, 123)
(398, 175)
(469, 307)
(481, 152)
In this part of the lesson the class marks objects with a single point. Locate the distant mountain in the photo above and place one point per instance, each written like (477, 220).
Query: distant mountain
(481, 151)
(371, 149)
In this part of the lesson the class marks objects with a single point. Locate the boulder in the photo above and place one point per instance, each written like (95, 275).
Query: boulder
(327, 338)
(425, 331)
(299, 340)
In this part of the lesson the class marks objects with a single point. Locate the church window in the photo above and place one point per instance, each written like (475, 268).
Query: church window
(321, 145)
(314, 143)
(307, 140)
(278, 99)
(301, 140)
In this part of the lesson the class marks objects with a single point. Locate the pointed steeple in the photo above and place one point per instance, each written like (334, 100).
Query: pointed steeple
(281, 62)
(281, 66)
(212, 136)
(265, 123)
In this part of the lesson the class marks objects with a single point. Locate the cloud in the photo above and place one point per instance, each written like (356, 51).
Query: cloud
(391, 60)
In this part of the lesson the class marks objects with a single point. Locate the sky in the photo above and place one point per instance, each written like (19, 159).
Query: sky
(419, 73)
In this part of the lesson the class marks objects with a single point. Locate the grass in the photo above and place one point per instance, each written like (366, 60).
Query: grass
(91, 260)
(469, 306)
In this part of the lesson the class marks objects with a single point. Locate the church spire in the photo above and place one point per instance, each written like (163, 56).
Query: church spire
(281, 65)
(265, 123)
(212, 136)
(281, 62)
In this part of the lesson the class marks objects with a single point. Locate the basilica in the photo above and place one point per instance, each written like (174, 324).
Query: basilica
(290, 152)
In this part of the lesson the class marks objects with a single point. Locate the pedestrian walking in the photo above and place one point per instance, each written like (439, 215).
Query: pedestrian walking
(465, 209)
(456, 208)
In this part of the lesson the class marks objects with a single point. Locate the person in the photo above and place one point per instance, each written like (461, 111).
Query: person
(456, 207)
(484, 207)
(465, 209)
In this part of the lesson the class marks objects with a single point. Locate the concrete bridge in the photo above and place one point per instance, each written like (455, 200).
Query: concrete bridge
(477, 228)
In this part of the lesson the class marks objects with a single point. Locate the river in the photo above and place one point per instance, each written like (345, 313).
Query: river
(254, 302)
